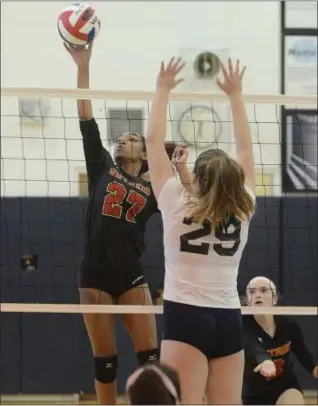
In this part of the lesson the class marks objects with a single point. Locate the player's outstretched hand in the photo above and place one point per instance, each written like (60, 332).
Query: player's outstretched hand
(315, 372)
(267, 368)
(233, 78)
(81, 55)
(167, 76)
(180, 156)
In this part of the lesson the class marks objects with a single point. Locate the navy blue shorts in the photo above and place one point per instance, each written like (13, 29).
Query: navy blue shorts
(215, 332)
(110, 279)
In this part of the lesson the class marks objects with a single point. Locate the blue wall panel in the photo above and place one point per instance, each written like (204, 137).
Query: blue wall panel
(50, 353)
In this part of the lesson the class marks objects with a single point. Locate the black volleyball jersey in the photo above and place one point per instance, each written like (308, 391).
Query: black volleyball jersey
(119, 205)
(260, 346)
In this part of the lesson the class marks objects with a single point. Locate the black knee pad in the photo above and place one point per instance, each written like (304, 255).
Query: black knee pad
(105, 369)
(148, 356)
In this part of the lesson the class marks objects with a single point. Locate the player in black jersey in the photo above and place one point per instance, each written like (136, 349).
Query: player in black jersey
(269, 377)
(121, 201)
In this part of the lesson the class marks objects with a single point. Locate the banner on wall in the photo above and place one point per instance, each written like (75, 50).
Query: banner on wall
(300, 153)
(300, 70)
(301, 14)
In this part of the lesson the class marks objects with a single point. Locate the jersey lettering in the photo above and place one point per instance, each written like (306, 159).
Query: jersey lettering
(221, 234)
(114, 200)
(138, 202)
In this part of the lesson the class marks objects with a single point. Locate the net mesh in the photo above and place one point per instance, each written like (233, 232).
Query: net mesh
(44, 188)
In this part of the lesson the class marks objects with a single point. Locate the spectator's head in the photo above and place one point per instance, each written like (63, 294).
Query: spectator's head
(153, 385)
(261, 291)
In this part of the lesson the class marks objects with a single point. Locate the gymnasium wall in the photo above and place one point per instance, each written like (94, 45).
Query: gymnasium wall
(50, 353)
(134, 37)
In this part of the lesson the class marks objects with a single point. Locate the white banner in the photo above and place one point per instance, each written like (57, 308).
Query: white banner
(300, 14)
(300, 65)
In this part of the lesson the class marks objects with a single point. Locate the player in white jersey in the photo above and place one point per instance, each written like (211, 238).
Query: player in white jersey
(205, 219)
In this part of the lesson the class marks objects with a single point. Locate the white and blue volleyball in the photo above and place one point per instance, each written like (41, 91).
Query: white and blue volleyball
(78, 24)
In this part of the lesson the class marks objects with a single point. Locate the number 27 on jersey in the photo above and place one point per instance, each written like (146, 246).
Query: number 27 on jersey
(115, 199)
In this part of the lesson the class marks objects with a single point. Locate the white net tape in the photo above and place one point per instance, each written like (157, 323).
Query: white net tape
(125, 309)
(135, 95)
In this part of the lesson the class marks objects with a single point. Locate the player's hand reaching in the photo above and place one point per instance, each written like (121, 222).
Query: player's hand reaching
(315, 372)
(267, 368)
(233, 78)
(167, 76)
(180, 156)
(81, 55)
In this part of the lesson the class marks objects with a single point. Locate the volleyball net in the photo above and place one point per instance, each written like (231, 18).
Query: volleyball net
(44, 189)
(44, 345)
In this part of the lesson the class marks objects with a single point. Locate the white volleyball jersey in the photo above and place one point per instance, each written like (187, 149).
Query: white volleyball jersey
(201, 266)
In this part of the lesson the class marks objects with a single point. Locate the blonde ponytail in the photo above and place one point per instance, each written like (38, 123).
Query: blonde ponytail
(222, 190)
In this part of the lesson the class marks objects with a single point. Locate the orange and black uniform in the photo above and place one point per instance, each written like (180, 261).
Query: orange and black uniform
(119, 207)
(259, 346)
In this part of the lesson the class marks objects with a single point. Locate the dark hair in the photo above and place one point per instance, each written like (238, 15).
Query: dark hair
(222, 189)
(144, 167)
(149, 388)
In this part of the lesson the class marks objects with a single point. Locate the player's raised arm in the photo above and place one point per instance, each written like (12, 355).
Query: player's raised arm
(160, 168)
(232, 86)
(95, 154)
(179, 159)
(81, 57)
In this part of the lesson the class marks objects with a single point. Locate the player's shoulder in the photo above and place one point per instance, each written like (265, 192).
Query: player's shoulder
(145, 177)
(249, 322)
(171, 195)
(144, 180)
(173, 187)
(284, 319)
(286, 322)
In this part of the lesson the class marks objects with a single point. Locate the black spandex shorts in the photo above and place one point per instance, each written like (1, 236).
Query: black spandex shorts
(271, 396)
(111, 279)
(215, 332)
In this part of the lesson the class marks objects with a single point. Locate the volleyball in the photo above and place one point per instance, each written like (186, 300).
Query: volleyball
(78, 24)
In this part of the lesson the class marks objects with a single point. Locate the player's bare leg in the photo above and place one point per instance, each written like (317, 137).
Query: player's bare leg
(192, 367)
(225, 381)
(101, 332)
(141, 327)
(291, 397)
